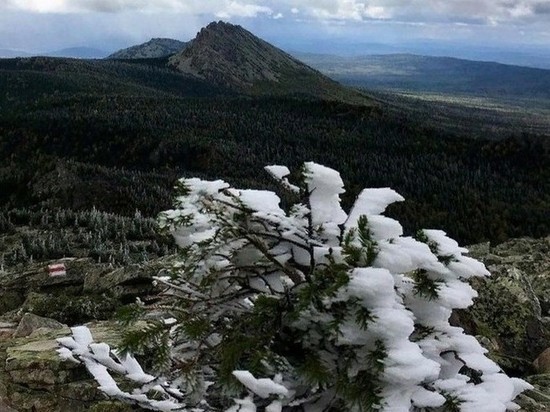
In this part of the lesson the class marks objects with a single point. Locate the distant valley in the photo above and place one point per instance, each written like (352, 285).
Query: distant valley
(433, 74)
(448, 92)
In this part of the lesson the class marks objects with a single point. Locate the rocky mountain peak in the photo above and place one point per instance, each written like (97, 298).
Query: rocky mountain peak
(230, 55)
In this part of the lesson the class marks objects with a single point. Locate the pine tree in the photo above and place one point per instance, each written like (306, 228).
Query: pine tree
(305, 307)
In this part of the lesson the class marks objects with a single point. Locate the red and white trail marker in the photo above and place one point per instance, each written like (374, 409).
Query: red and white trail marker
(57, 269)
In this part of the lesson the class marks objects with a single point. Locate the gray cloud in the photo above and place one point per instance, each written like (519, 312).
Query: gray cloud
(489, 12)
(542, 8)
(227, 8)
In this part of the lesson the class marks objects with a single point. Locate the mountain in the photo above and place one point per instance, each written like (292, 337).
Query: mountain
(232, 57)
(409, 72)
(147, 78)
(8, 53)
(152, 49)
(71, 52)
(78, 53)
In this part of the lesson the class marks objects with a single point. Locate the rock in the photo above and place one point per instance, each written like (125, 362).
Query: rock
(480, 249)
(110, 406)
(513, 304)
(125, 283)
(31, 323)
(35, 378)
(542, 363)
(89, 291)
(538, 399)
(72, 309)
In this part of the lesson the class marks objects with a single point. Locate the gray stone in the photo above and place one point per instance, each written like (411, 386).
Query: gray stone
(132, 281)
(513, 303)
(31, 323)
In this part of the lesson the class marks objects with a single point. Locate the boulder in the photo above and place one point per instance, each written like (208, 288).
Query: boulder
(31, 323)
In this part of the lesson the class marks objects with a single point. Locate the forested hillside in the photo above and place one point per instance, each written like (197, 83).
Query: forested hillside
(115, 135)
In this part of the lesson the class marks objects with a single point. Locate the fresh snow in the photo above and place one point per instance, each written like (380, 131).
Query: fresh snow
(262, 387)
(273, 252)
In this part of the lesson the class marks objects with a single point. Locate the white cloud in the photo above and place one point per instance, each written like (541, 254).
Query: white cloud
(347, 10)
(425, 11)
(76, 6)
(218, 8)
(485, 12)
(236, 9)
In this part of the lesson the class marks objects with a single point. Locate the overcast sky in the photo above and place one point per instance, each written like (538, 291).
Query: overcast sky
(41, 25)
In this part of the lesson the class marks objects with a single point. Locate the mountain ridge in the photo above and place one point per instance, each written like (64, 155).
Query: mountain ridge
(154, 48)
(413, 72)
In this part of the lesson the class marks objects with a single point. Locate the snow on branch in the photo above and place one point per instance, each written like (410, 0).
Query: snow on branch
(100, 361)
(275, 306)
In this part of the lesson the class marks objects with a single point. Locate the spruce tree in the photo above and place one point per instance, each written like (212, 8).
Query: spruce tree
(302, 307)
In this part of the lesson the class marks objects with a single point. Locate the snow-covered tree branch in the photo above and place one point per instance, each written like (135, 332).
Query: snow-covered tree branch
(304, 307)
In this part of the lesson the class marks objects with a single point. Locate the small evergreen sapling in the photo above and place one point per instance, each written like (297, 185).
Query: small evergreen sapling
(303, 308)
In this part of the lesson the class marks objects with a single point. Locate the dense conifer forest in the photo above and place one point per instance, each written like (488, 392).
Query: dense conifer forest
(79, 138)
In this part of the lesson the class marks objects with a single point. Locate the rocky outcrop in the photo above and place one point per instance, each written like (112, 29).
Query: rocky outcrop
(512, 313)
(89, 291)
(36, 308)
(510, 317)
(537, 400)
